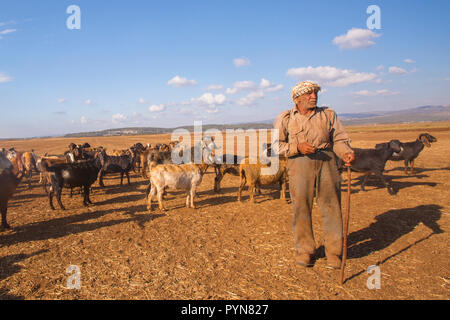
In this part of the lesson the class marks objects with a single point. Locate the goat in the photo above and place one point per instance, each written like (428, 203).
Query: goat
(78, 174)
(224, 167)
(252, 173)
(373, 161)
(411, 150)
(10, 177)
(174, 176)
(115, 164)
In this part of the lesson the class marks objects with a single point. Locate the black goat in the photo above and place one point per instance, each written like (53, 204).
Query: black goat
(411, 150)
(78, 174)
(115, 164)
(373, 161)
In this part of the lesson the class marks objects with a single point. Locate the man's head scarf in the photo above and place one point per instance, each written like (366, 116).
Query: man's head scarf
(303, 88)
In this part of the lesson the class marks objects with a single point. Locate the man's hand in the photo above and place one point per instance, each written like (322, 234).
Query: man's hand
(306, 148)
(349, 158)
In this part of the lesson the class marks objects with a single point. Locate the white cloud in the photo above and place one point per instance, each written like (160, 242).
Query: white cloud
(241, 62)
(118, 117)
(356, 39)
(331, 76)
(447, 79)
(250, 98)
(83, 120)
(61, 100)
(215, 87)
(231, 90)
(4, 78)
(409, 61)
(382, 92)
(209, 99)
(156, 107)
(215, 110)
(88, 102)
(142, 101)
(244, 85)
(397, 70)
(178, 81)
(380, 67)
(6, 31)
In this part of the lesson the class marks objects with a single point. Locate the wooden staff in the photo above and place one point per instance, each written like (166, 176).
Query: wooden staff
(346, 219)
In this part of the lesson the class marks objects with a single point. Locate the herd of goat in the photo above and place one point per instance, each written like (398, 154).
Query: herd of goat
(81, 166)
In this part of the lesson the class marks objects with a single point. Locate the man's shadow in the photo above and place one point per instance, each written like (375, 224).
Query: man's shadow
(390, 226)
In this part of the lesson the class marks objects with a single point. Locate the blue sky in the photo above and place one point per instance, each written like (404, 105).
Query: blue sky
(168, 63)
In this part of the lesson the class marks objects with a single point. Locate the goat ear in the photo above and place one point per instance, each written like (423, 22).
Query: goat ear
(425, 141)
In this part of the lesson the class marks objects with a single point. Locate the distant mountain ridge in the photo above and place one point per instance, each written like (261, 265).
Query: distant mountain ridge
(419, 114)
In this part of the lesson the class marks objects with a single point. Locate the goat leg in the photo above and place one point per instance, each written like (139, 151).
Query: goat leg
(390, 189)
(412, 166)
(58, 197)
(241, 187)
(50, 198)
(4, 208)
(121, 178)
(128, 177)
(363, 184)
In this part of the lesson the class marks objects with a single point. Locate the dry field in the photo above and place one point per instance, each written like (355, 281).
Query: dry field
(225, 249)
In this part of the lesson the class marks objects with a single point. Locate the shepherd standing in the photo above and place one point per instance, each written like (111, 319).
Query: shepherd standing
(311, 137)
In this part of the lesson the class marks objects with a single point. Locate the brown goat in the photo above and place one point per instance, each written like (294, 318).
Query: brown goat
(252, 173)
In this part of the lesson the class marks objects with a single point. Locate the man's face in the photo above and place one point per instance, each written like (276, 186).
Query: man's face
(307, 101)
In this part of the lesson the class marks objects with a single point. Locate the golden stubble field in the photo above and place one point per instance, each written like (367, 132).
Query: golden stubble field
(225, 249)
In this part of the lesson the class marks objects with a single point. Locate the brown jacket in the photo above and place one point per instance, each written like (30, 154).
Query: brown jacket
(322, 129)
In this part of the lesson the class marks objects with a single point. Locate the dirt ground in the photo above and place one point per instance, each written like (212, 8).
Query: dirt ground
(225, 249)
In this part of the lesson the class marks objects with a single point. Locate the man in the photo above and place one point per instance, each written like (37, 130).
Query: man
(311, 137)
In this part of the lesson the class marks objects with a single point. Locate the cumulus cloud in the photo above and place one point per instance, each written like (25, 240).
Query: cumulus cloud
(215, 87)
(209, 99)
(382, 92)
(268, 86)
(88, 102)
(156, 107)
(6, 31)
(61, 100)
(380, 67)
(142, 101)
(178, 81)
(331, 76)
(241, 62)
(409, 61)
(118, 117)
(250, 98)
(397, 70)
(231, 90)
(83, 120)
(356, 39)
(4, 78)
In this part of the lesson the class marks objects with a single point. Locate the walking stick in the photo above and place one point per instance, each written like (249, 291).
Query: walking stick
(346, 219)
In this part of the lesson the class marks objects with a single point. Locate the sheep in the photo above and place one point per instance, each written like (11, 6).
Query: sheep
(373, 161)
(10, 177)
(253, 174)
(174, 176)
(411, 150)
(78, 174)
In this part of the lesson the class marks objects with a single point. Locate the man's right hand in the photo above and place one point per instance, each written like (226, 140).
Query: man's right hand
(306, 148)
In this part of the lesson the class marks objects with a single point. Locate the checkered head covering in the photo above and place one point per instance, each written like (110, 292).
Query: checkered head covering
(304, 87)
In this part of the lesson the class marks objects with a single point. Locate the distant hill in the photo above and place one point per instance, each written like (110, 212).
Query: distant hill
(419, 114)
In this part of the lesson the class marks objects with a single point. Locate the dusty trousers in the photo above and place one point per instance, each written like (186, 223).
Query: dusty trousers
(306, 173)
